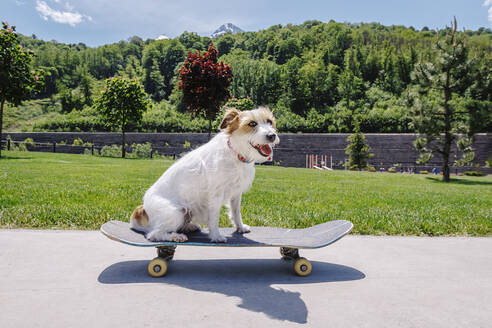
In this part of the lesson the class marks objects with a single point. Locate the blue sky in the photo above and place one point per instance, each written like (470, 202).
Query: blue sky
(96, 22)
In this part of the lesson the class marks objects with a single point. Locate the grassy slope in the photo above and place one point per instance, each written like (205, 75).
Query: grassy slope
(23, 117)
(42, 190)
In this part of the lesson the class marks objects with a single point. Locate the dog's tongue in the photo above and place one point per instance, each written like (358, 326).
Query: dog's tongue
(266, 149)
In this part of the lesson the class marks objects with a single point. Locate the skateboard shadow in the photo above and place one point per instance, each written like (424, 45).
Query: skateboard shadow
(248, 279)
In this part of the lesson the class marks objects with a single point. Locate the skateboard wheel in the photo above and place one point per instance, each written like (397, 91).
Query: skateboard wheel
(157, 267)
(302, 267)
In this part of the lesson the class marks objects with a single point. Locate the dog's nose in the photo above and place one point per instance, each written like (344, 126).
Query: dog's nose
(271, 137)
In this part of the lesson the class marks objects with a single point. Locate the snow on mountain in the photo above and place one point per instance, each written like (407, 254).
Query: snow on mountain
(226, 28)
(162, 37)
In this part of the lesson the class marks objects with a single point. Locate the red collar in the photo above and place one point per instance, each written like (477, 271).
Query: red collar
(239, 156)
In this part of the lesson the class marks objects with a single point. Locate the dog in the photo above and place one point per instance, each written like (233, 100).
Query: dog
(194, 189)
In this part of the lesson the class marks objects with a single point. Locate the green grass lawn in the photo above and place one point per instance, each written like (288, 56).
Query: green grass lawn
(64, 191)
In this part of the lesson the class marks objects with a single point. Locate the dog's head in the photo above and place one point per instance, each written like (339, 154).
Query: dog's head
(252, 132)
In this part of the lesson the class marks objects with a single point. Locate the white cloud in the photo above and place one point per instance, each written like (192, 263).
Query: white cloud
(488, 3)
(63, 17)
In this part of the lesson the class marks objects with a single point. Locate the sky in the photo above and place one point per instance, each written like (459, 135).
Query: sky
(97, 22)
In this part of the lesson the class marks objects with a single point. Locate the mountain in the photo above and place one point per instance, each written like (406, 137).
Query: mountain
(226, 28)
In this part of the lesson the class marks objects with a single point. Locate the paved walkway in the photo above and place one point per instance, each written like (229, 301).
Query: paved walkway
(82, 279)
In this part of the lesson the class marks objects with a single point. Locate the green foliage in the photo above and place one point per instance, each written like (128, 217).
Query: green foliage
(475, 173)
(77, 142)
(160, 61)
(358, 151)
(17, 79)
(111, 151)
(138, 151)
(28, 142)
(339, 73)
(142, 150)
(240, 103)
(442, 106)
(122, 104)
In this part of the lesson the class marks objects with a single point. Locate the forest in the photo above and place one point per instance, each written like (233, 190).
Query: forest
(317, 77)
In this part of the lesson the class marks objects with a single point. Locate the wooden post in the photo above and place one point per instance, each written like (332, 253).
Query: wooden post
(54, 146)
(92, 149)
(8, 144)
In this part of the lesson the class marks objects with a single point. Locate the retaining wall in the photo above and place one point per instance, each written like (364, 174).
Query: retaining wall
(388, 149)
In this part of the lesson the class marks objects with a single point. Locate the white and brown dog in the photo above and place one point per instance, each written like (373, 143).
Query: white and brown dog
(193, 190)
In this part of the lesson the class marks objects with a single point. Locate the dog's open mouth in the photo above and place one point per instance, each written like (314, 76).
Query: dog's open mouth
(264, 150)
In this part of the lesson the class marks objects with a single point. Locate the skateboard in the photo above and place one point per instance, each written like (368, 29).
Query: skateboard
(288, 240)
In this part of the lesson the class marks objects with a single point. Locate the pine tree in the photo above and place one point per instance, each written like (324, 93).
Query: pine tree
(441, 114)
(358, 150)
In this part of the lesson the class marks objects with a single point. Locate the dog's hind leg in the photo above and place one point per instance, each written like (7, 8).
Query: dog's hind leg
(188, 226)
(158, 235)
(165, 218)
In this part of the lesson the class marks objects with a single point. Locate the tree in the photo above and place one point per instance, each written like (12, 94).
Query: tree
(441, 110)
(160, 60)
(17, 80)
(358, 150)
(205, 84)
(122, 104)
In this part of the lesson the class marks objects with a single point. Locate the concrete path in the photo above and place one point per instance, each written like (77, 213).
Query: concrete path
(82, 279)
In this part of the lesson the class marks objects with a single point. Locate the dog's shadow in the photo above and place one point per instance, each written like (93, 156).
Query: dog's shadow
(248, 279)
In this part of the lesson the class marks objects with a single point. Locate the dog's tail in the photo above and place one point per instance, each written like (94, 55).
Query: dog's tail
(139, 218)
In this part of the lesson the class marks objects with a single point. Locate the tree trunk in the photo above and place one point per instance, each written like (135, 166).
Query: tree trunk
(123, 143)
(209, 128)
(445, 167)
(448, 137)
(1, 125)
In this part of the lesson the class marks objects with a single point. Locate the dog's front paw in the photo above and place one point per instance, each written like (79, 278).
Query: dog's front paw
(218, 239)
(244, 229)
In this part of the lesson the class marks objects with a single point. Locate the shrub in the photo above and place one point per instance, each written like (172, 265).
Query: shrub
(77, 142)
(475, 173)
(142, 150)
(358, 150)
(240, 103)
(28, 142)
(111, 151)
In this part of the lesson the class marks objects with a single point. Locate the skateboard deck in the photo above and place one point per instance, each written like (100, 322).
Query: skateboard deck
(289, 241)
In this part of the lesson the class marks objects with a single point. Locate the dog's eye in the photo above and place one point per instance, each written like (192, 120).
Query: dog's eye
(270, 122)
(252, 124)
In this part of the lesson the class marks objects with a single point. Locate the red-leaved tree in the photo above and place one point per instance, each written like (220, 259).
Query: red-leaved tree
(205, 84)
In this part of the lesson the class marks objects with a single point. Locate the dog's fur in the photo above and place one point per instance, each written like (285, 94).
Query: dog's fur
(193, 190)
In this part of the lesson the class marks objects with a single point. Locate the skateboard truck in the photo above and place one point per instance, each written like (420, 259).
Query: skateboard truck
(166, 252)
(158, 266)
(302, 266)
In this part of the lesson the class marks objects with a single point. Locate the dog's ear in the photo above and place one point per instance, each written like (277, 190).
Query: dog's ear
(230, 122)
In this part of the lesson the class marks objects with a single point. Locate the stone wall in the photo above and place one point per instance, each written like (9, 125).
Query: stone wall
(388, 149)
